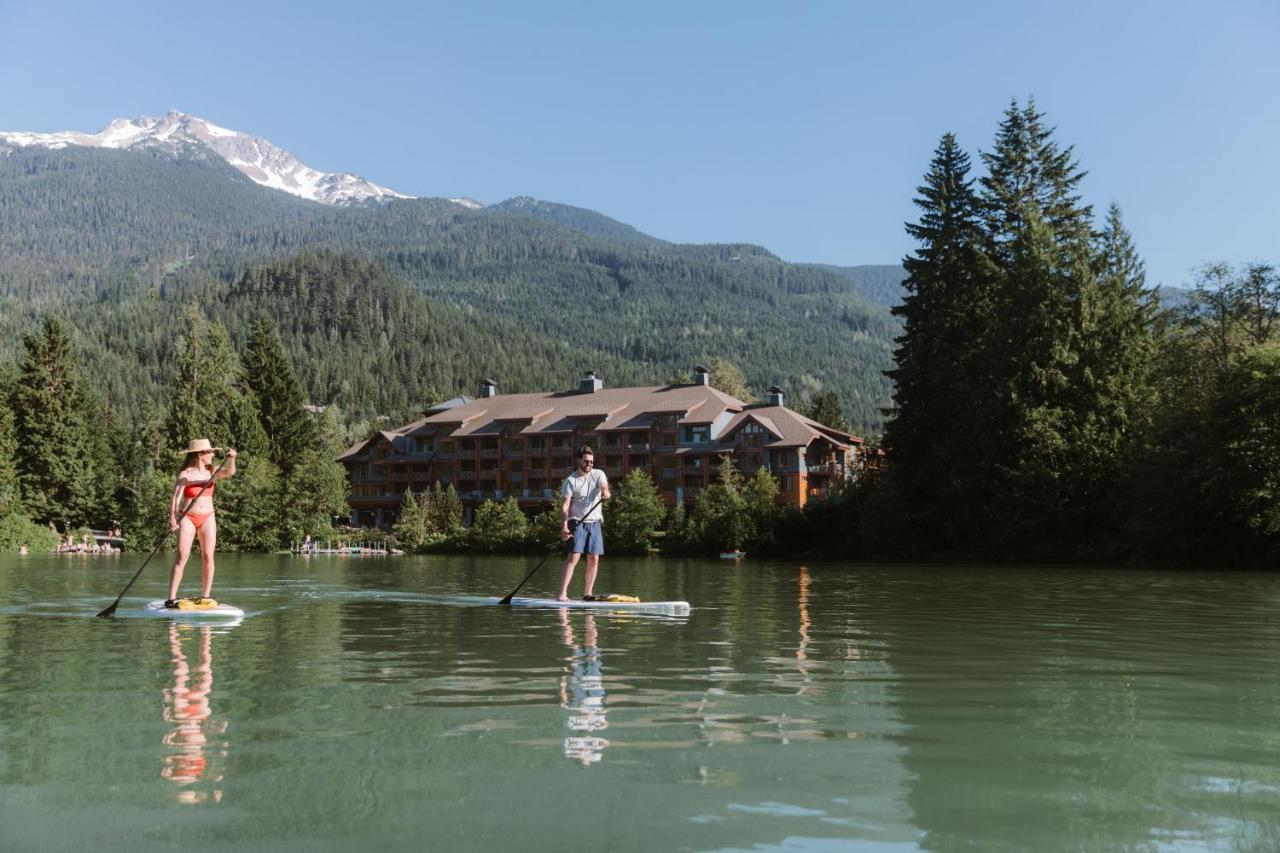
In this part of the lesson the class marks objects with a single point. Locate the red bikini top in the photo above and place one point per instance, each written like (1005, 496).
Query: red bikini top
(194, 490)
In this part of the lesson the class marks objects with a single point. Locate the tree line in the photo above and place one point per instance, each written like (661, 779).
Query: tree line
(67, 460)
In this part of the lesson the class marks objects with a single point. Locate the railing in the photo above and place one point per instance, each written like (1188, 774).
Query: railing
(643, 447)
(466, 454)
(488, 454)
(827, 469)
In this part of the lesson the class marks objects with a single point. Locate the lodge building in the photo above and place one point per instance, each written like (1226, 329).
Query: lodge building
(523, 445)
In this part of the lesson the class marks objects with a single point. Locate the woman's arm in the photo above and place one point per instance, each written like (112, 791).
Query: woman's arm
(230, 467)
(173, 503)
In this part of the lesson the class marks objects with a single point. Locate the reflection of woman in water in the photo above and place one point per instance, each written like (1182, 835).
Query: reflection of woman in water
(582, 693)
(186, 706)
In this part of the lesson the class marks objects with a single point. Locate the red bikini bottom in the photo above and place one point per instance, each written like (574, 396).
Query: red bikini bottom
(199, 518)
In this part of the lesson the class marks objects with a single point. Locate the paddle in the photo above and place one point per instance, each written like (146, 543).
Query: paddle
(110, 611)
(573, 523)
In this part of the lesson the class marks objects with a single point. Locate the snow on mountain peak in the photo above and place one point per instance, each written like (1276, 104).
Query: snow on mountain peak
(258, 159)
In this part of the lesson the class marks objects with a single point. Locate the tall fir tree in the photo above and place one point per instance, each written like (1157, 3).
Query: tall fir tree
(269, 375)
(208, 402)
(55, 449)
(1040, 235)
(936, 430)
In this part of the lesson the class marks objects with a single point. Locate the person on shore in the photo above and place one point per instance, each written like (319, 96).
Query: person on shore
(582, 519)
(195, 485)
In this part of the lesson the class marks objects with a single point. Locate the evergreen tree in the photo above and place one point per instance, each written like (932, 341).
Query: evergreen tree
(207, 402)
(825, 409)
(269, 375)
(55, 459)
(720, 519)
(635, 513)
(762, 503)
(942, 384)
(10, 494)
(726, 376)
(442, 510)
(498, 525)
(1046, 303)
(314, 494)
(410, 527)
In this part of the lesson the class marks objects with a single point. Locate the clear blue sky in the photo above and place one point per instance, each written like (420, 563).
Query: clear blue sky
(804, 127)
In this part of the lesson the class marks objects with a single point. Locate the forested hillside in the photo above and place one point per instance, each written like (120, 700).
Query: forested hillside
(527, 292)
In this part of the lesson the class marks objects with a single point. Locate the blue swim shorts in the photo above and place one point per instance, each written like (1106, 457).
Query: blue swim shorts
(588, 538)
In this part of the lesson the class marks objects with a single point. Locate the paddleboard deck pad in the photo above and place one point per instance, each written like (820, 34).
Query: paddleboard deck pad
(674, 608)
(221, 611)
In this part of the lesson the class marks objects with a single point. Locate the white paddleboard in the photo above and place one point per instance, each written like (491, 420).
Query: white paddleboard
(673, 608)
(222, 611)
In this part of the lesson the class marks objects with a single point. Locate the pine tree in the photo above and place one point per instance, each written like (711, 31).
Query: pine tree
(410, 527)
(55, 461)
(269, 375)
(634, 514)
(10, 492)
(942, 383)
(727, 377)
(1039, 233)
(826, 410)
(207, 403)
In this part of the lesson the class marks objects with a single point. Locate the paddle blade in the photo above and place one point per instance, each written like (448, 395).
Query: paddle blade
(110, 611)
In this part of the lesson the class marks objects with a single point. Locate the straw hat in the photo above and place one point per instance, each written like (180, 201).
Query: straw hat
(199, 445)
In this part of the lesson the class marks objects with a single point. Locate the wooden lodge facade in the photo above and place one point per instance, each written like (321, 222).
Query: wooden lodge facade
(524, 445)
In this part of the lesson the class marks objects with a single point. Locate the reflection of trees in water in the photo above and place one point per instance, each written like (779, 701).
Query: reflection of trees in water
(1070, 709)
(582, 692)
(186, 707)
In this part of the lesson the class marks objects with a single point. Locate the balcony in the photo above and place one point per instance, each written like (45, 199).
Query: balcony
(826, 469)
(466, 454)
(641, 447)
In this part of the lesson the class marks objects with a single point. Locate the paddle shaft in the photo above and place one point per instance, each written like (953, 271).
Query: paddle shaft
(110, 611)
(572, 525)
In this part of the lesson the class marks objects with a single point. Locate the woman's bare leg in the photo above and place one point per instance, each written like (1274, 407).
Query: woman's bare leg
(208, 543)
(186, 535)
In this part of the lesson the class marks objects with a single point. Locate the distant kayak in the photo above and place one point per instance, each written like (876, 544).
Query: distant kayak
(674, 608)
(733, 555)
(220, 611)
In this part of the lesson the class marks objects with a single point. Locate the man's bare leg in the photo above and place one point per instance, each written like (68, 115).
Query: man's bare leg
(568, 576)
(593, 566)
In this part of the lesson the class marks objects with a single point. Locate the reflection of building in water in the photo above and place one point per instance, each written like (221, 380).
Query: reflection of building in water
(186, 707)
(582, 693)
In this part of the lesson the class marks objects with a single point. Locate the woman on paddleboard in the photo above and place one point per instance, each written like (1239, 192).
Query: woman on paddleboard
(194, 492)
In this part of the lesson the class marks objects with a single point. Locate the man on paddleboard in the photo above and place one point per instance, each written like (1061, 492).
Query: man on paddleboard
(581, 495)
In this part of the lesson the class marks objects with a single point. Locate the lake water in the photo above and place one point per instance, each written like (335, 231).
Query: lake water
(377, 704)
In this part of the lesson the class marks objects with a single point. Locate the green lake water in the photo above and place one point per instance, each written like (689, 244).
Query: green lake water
(377, 703)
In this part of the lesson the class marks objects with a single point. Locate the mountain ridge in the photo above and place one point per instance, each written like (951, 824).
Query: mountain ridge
(261, 161)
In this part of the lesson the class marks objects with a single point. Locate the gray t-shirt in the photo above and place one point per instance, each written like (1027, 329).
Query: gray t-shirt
(585, 490)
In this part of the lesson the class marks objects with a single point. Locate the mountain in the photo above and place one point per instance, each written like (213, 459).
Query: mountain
(878, 283)
(116, 240)
(577, 218)
(181, 134)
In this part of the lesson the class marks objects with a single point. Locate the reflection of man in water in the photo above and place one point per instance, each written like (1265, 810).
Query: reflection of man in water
(582, 693)
(186, 706)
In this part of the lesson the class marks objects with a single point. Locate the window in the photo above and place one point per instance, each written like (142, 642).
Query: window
(697, 435)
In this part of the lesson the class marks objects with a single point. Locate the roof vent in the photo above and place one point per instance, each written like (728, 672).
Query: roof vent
(701, 376)
(590, 384)
(488, 388)
(774, 396)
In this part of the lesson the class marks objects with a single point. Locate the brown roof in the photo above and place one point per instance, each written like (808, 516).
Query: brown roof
(553, 412)
(788, 428)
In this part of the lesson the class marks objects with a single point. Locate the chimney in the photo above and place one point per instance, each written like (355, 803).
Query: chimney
(590, 384)
(774, 396)
(701, 376)
(488, 388)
